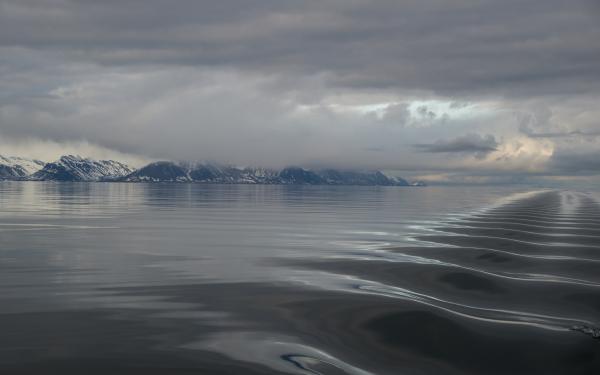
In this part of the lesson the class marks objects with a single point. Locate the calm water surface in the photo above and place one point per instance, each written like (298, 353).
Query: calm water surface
(107, 278)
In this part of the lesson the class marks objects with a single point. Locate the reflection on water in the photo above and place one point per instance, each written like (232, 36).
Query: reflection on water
(181, 278)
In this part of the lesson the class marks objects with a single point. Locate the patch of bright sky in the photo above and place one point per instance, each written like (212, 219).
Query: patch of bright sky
(441, 108)
(450, 108)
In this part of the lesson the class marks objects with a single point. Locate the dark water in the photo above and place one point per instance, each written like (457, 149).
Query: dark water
(194, 279)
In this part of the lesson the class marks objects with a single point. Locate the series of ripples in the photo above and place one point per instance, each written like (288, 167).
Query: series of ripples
(145, 279)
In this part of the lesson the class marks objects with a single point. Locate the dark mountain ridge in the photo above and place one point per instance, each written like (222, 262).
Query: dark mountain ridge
(165, 171)
(76, 168)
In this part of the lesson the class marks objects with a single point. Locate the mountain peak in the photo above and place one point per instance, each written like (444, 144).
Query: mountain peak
(159, 171)
(71, 157)
(14, 167)
(76, 168)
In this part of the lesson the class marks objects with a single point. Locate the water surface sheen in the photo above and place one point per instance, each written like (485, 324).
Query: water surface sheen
(108, 278)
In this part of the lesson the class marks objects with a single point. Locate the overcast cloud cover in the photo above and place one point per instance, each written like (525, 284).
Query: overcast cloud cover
(441, 89)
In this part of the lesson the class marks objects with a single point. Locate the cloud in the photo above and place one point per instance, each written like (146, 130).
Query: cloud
(471, 48)
(575, 162)
(49, 151)
(331, 82)
(560, 134)
(469, 144)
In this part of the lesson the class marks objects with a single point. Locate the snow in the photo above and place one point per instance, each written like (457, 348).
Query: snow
(30, 166)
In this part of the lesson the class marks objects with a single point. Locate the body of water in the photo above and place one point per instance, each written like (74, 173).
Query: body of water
(108, 278)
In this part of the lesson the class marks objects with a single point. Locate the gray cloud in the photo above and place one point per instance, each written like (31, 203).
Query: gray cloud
(470, 144)
(338, 82)
(467, 47)
(559, 134)
(573, 162)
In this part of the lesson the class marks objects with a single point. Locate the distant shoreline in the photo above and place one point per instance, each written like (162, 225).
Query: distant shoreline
(200, 183)
(71, 168)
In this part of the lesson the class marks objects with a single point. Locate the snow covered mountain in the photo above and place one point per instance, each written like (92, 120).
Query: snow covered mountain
(13, 167)
(166, 171)
(76, 168)
(161, 171)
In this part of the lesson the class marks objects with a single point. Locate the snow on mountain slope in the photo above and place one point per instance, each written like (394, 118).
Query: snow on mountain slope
(166, 171)
(161, 171)
(12, 167)
(76, 168)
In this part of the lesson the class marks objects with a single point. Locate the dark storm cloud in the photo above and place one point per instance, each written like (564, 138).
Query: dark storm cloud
(573, 162)
(467, 47)
(470, 144)
(558, 134)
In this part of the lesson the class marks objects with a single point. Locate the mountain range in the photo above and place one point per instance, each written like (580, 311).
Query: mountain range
(76, 168)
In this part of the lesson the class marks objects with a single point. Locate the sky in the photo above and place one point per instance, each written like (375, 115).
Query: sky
(440, 90)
